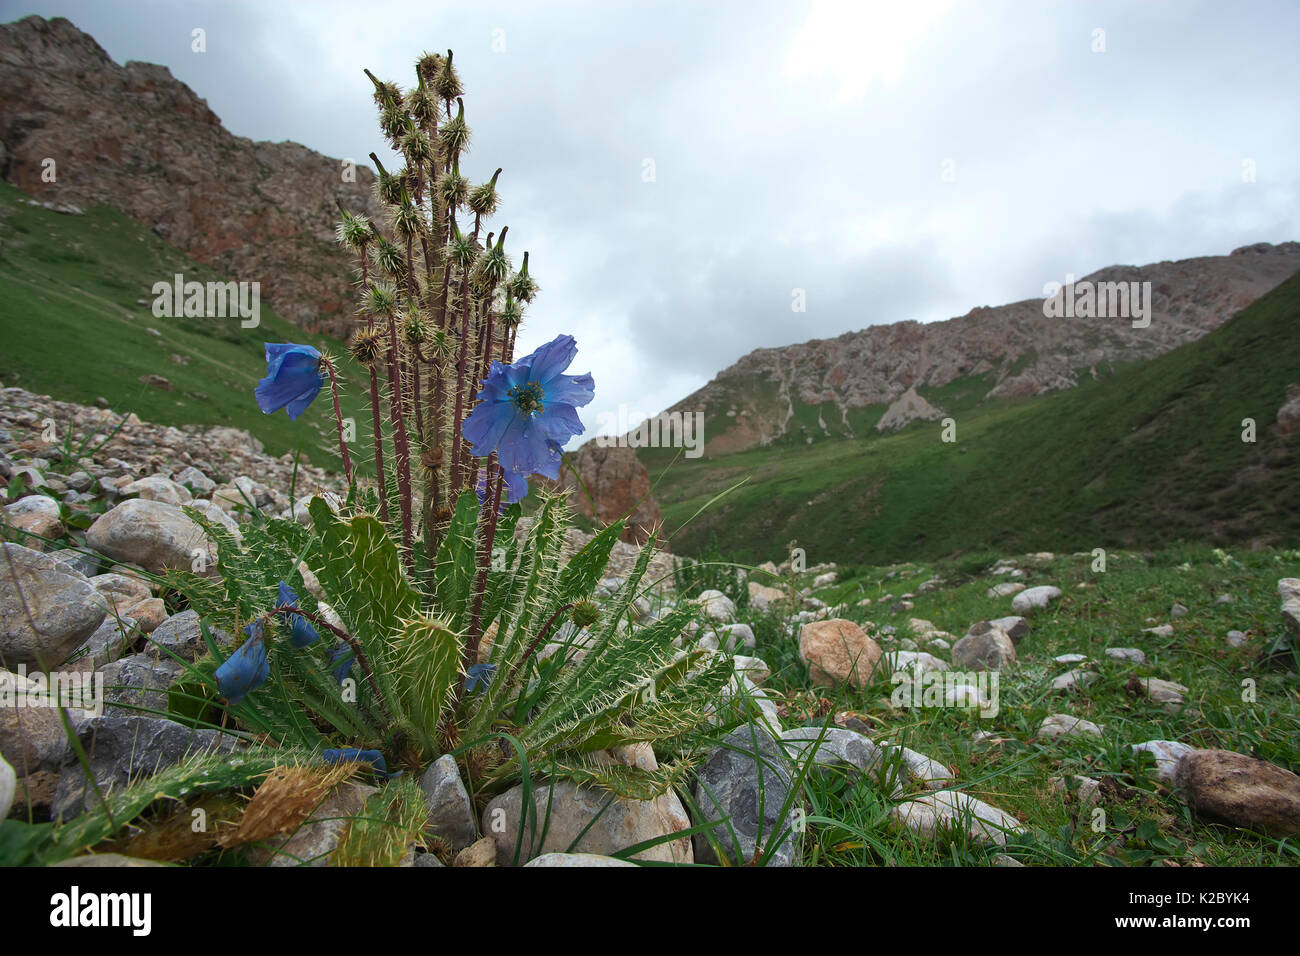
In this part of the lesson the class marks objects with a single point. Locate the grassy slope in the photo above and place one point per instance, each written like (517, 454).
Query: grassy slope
(1152, 454)
(1144, 824)
(71, 326)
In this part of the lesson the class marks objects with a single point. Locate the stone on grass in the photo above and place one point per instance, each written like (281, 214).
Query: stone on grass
(985, 647)
(1016, 627)
(1035, 599)
(1063, 725)
(716, 605)
(577, 859)
(746, 780)
(836, 651)
(1132, 654)
(952, 810)
(1225, 787)
(1167, 753)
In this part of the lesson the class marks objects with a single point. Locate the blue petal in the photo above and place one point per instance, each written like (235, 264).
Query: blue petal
(570, 390)
(561, 423)
(247, 669)
(552, 358)
(516, 487)
(342, 657)
(292, 381)
(351, 754)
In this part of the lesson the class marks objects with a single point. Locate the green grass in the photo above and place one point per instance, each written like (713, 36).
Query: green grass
(1145, 824)
(1148, 456)
(72, 326)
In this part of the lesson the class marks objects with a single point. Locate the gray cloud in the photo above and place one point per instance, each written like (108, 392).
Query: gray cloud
(794, 146)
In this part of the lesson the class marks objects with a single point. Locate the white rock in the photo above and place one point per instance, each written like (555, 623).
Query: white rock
(1063, 725)
(1167, 754)
(1005, 589)
(1070, 658)
(1073, 679)
(825, 580)
(8, 784)
(1126, 654)
(158, 488)
(952, 809)
(716, 605)
(1237, 638)
(1163, 630)
(1035, 599)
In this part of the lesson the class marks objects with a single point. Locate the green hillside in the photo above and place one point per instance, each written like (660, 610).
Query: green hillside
(75, 313)
(1150, 455)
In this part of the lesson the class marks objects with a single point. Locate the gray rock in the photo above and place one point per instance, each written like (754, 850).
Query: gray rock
(747, 780)
(948, 810)
(1016, 627)
(1005, 589)
(985, 647)
(1167, 754)
(122, 749)
(610, 823)
(451, 812)
(31, 734)
(577, 859)
(1075, 679)
(716, 605)
(1035, 599)
(158, 488)
(428, 860)
(1063, 725)
(1163, 691)
(121, 591)
(1237, 638)
(1132, 654)
(196, 481)
(139, 681)
(313, 842)
(181, 635)
(33, 518)
(47, 610)
(1178, 611)
(152, 534)
(109, 642)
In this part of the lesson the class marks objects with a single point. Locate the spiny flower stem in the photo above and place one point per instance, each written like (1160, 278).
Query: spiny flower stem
(340, 633)
(338, 420)
(379, 443)
(539, 638)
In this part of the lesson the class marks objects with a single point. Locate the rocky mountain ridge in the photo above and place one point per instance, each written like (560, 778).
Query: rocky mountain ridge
(1012, 350)
(136, 139)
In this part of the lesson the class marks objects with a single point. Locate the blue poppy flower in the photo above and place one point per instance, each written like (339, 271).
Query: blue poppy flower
(246, 669)
(350, 754)
(301, 633)
(293, 379)
(343, 657)
(477, 673)
(527, 411)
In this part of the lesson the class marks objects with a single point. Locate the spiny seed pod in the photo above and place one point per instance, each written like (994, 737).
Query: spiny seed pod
(395, 122)
(388, 187)
(431, 458)
(388, 257)
(427, 66)
(415, 328)
(367, 346)
(353, 231)
(417, 147)
(483, 199)
(452, 187)
(423, 105)
(408, 219)
(447, 84)
(521, 285)
(461, 250)
(438, 344)
(585, 614)
(454, 135)
(386, 94)
(378, 299)
(493, 265)
(512, 313)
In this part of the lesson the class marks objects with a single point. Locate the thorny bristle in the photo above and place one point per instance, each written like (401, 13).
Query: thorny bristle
(378, 299)
(452, 188)
(367, 346)
(447, 83)
(454, 135)
(522, 286)
(417, 147)
(353, 231)
(415, 328)
(388, 257)
(428, 65)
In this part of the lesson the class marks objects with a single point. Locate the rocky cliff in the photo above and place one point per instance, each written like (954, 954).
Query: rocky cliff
(873, 378)
(137, 139)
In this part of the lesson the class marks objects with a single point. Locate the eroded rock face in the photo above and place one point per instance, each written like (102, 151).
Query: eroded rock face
(1226, 787)
(137, 139)
(618, 483)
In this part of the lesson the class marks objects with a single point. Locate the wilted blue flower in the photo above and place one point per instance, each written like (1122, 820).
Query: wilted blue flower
(527, 411)
(301, 633)
(477, 673)
(247, 668)
(342, 656)
(348, 754)
(293, 378)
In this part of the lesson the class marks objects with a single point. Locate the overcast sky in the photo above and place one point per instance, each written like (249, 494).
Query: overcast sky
(794, 146)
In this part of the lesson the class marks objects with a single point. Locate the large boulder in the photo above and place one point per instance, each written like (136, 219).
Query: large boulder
(47, 610)
(836, 651)
(1226, 787)
(153, 535)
